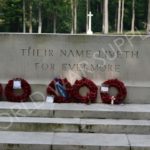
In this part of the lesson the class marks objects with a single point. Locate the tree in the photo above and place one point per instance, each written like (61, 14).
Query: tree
(120, 21)
(122, 16)
(133, 16)
(119, 14)
(64, 16)
(148, 18)
(58, 11)
(55, 11)
(74, 16)
(87, 11)
(105, 17)
(12, 15)
(39, 18)
(24, 16)
(30, 17)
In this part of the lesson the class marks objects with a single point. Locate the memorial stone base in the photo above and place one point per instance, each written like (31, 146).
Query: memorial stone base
(39, 125)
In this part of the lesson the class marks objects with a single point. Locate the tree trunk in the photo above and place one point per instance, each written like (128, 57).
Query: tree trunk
(148, 18)
(30, 18)
(87, 11)
(116, 17)
(105, 17)
(72, 11)
(40, 19)
(74, 16)
(24, 16)
(119, 14)
(122, 17)
(133, 16)
(54, 22)
(75, 19)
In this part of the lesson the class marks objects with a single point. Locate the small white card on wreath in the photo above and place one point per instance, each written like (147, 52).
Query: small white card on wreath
(50, 99)
(112, 100)
(16, 85)
(104, 89)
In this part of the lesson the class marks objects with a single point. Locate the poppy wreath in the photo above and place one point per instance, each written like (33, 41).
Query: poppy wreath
(51, 90)
(91, 95)
(12, 96)
(122, 92)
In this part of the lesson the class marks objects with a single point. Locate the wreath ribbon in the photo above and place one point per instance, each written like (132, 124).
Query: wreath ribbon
(51, 90)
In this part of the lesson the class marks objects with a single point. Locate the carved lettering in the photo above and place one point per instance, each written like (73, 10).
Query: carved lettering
(91, 67)
(76, 53)
(44, 67)
(83, 55)
(36, 52)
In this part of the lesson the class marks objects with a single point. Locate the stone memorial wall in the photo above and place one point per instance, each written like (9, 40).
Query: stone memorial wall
(41, 58)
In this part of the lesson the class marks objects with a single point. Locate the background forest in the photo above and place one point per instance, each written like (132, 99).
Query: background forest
(70, 16)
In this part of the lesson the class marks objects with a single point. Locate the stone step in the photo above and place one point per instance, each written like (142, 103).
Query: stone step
(75, 125)
(72, 141)
(101, 111)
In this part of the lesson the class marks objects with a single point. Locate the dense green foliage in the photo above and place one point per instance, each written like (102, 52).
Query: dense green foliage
(11, 15)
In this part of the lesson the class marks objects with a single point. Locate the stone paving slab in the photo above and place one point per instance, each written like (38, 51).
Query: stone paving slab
(139, 140)
(75, 125)
(90, 139)
(74, 141)
(74, 106)
(127, 111)
(25, 137)
(62, 139)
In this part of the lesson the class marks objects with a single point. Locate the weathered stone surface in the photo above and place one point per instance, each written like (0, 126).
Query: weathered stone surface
(74, 141)
(24, 147)
(98, 57)
(64, 139)
(139, 141)
(101, 111)
(40, 58)
(89, 139)
(75, 125)
(26, 138)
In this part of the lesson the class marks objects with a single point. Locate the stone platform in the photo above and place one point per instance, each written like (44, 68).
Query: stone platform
(46, 126)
